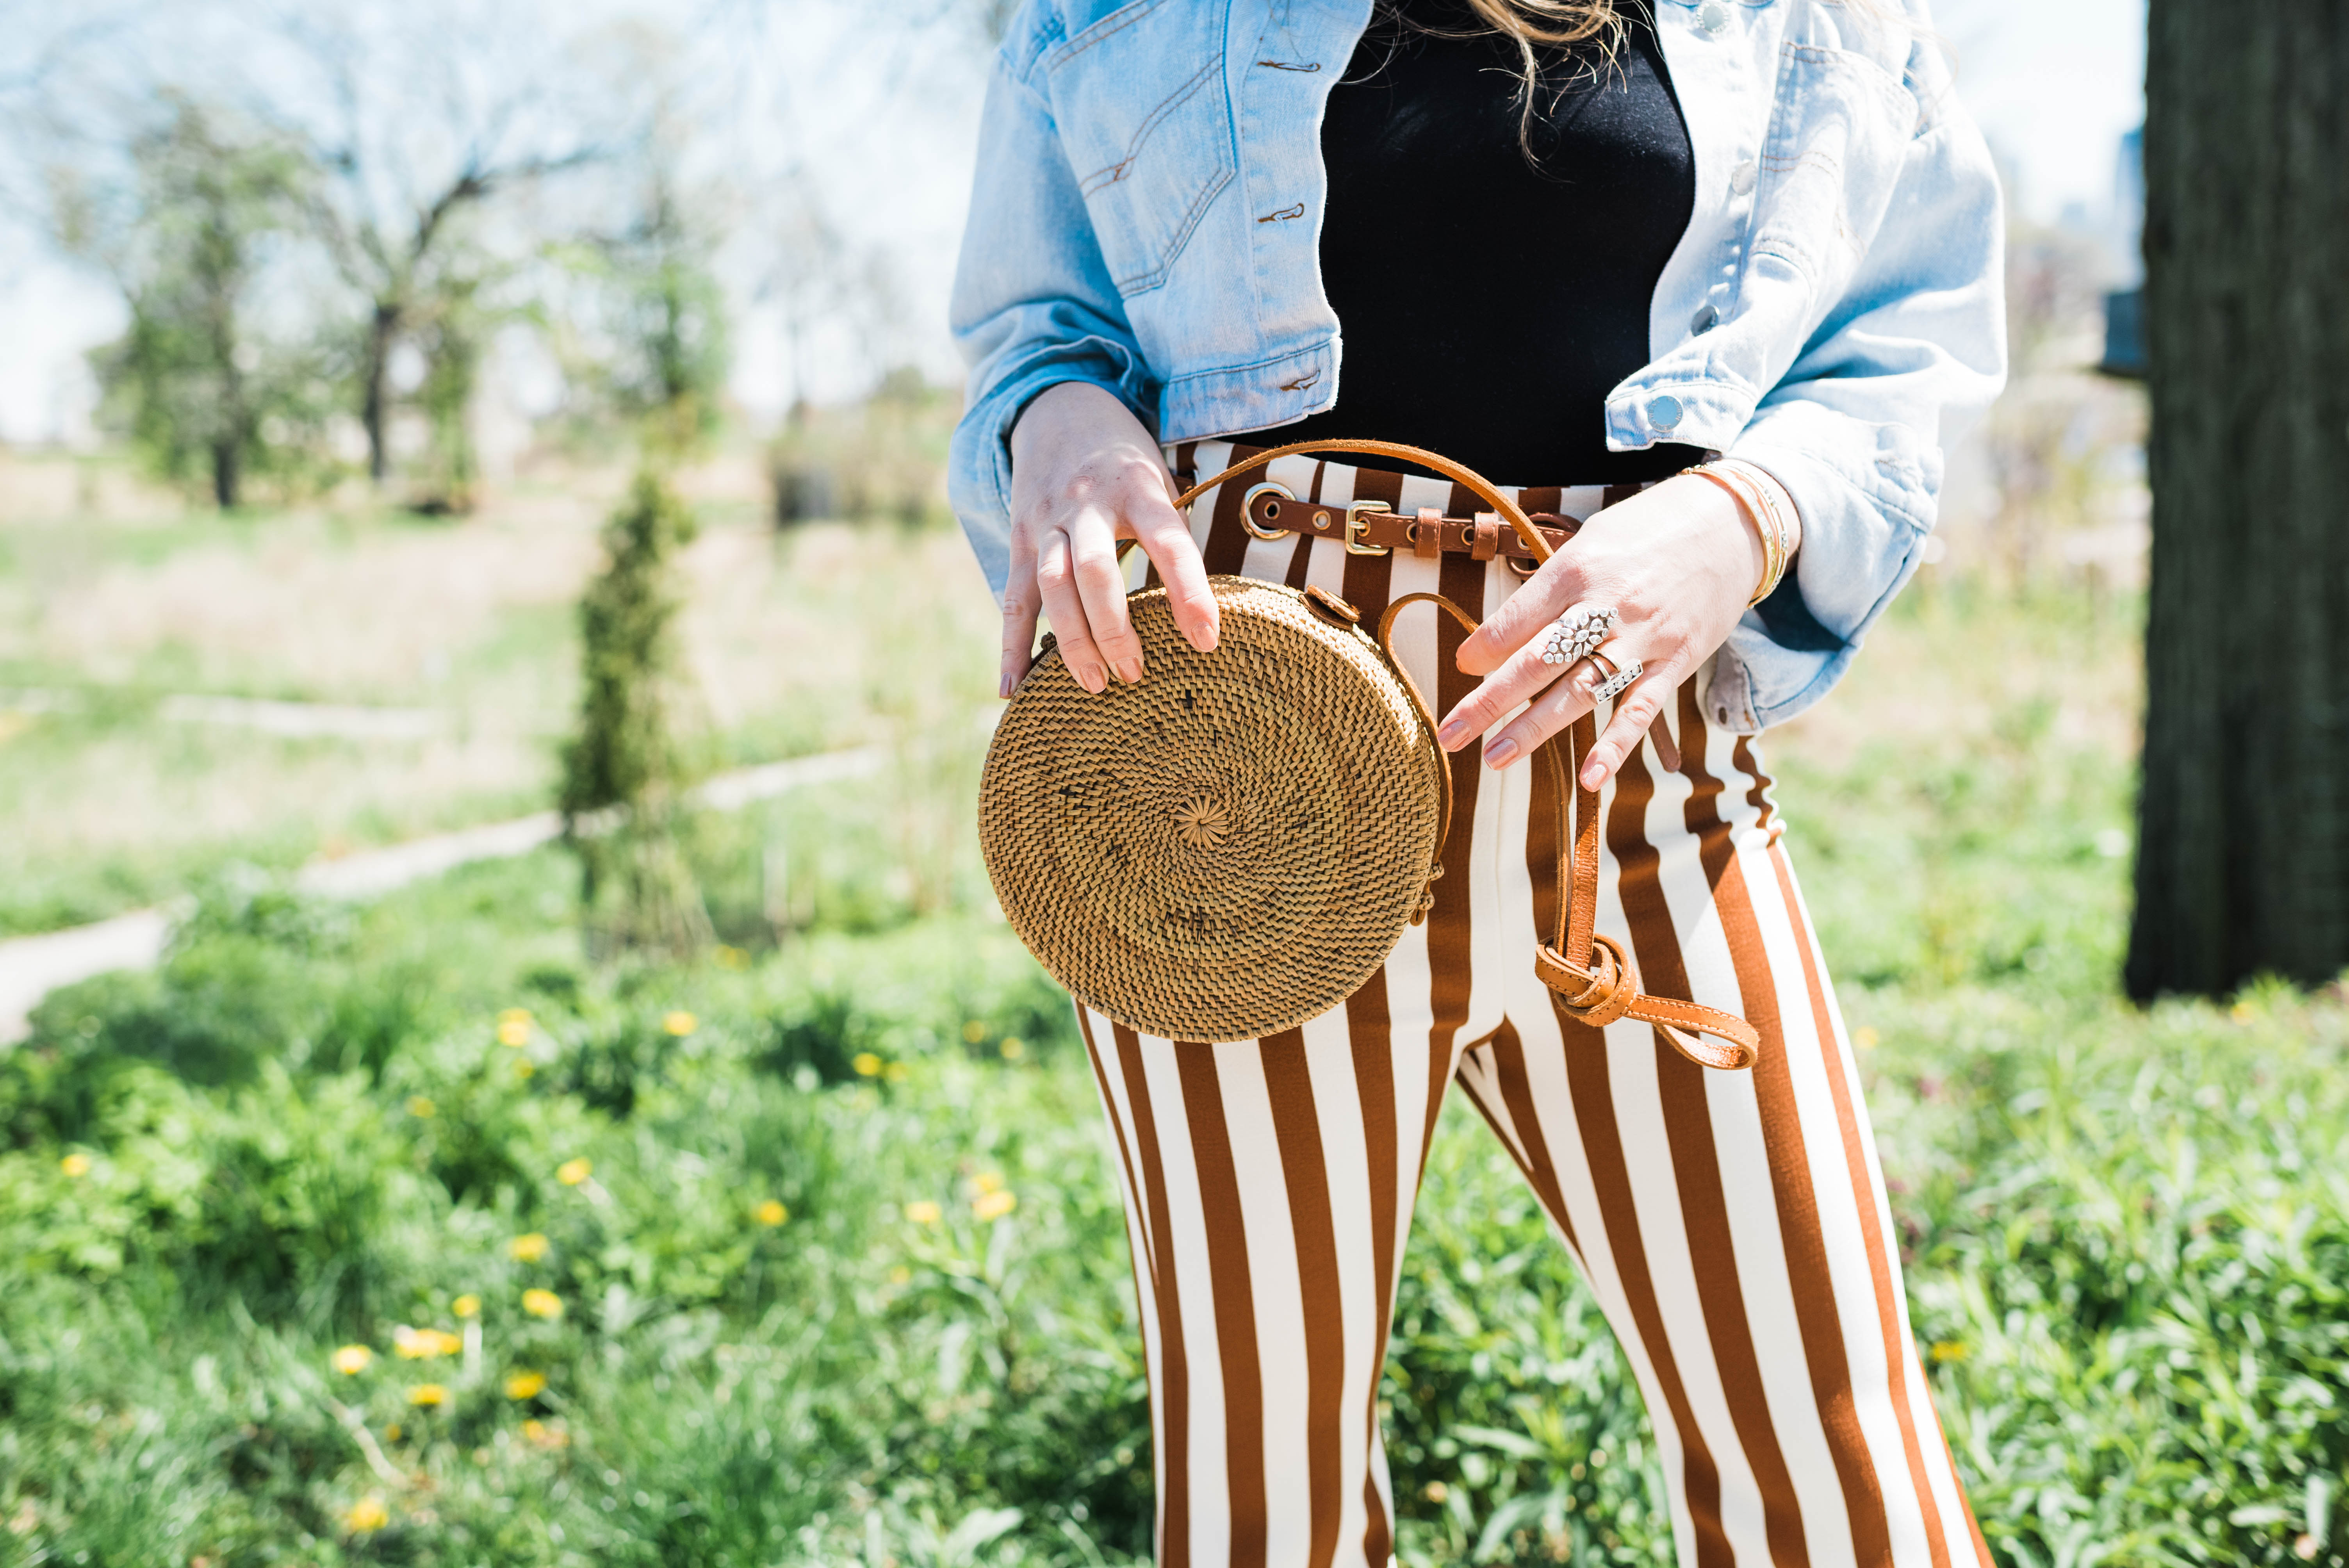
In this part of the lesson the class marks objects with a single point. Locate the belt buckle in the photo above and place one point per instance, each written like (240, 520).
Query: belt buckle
(1356, 512)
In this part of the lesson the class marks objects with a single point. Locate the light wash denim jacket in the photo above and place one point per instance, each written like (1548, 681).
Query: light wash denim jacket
(1146, 217)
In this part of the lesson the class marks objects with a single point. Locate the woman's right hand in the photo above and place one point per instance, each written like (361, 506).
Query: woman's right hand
(1084, 475)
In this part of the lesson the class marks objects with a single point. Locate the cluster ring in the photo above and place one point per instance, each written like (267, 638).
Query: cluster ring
(1577, 632)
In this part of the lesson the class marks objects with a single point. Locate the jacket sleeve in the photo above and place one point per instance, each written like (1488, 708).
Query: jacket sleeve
(1033, 304)
(1854, 429)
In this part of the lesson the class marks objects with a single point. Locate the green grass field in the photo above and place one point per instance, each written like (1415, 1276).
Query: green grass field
(398, 1234)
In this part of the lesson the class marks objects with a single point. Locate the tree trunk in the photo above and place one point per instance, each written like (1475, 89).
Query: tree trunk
(224, 473)
(2243, 851)
(375, 407)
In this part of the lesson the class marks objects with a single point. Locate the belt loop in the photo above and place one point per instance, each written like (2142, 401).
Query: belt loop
(1488, 535)
(1427, 533)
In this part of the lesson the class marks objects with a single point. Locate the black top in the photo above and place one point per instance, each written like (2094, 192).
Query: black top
(1489, 303)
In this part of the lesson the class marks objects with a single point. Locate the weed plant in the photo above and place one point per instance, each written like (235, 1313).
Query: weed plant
(398, 1235)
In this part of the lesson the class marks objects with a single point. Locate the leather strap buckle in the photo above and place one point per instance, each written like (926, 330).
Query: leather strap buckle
(1247, 509)
(1355, 527)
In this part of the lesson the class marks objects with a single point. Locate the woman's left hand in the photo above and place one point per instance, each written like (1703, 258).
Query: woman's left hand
(1677, 563)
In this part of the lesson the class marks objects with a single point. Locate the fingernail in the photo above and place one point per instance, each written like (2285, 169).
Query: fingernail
(1093, 679)
(1129, 671)
(1500, 753)
(1454, 732)
(1594, 776)
(1008, 685)
(1204, 639)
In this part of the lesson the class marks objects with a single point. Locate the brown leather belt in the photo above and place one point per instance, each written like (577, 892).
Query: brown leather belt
(1372, 527)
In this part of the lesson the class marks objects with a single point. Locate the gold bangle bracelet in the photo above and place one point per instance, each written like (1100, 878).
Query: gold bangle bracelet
(1761, 511)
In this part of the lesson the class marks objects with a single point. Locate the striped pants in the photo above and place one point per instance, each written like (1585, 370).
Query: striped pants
(1733, 1227)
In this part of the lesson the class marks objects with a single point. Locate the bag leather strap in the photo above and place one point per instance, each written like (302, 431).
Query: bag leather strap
(1591, 979)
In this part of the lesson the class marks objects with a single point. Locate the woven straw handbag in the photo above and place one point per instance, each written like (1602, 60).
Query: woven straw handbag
(1236, 843)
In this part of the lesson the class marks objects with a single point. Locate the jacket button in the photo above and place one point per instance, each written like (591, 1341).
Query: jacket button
(1664, 413)
(1712, 18)
(1742, 178)
(1704, 320)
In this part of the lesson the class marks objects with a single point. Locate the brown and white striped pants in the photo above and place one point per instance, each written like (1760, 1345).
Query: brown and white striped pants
(1733, 1225)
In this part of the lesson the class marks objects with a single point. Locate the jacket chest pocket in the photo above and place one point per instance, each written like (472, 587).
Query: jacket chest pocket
(1838, 136)
(1140, 101)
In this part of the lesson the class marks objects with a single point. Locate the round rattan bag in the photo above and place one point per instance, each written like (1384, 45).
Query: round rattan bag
(1230, 847)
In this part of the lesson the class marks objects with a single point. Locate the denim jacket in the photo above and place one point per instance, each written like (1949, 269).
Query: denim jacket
(1146, 211)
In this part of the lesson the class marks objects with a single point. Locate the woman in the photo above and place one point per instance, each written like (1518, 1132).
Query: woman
(1580, 245)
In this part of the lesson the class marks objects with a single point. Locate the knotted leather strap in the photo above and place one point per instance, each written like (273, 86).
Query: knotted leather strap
(1591, 979)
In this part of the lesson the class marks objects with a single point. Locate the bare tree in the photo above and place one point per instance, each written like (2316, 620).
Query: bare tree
(415, 142)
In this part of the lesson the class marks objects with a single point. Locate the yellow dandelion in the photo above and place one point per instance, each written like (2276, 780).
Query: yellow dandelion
(989, 1181)
(391, 1433)
(922, 1211)
(1013, 1047)
(542, 1304)
(527, 1249)
(515, 1032)
(412, 1344)
(514, 1016)
(1865, 1039)
(351, 1359)
(426, 1395)
(770, 1213)
(866, 1064)
(524, 1066)
(1949, 1350)
(993, 1205)
(896, 1072)
(525, 1385)
(1435, 1491)
(680, 1024)
(572, 1172)
(974, 1032)
(901, 1274)
(467, 1306)
(421, 1109)
(366, 1515)
(76, 1165)
(545, 1436)
(732, 958)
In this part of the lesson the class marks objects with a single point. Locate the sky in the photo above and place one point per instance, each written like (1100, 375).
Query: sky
(2054, 83)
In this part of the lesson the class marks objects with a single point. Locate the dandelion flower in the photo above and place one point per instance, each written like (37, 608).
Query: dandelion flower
(732, 958)
(993, 1205)
(366, 1515)
(515, 1032)
(525, 1385)
(572, 1172)
(527, 1249)
(770, 1213)
(391, 1433)
(514, 1016)
(351, 1359)
(421, 1109)
(545, 1436)
(866, 1064)
(76, 1165)
(524, 1066)
(1949, 1350)
(922, 1211)
(680, 1024)
(426, 1395)
(974, 1032)
(467, 1306)
(1013, 1047)
(896, 1072)
(542, 1304)
(989, 1181)
(1435, 1491)
(1865, 1039)
(901, 1274)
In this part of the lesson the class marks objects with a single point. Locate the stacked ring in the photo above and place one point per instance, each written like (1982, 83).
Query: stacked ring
(1577, 632)
(1618, 679)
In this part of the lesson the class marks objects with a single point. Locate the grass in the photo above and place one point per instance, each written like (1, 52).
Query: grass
(834, 1260)
(794, 643)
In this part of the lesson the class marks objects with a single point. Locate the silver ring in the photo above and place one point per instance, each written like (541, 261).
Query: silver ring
(1613, 684)
(1576, 633)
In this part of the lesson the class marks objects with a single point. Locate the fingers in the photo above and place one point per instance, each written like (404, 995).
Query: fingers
(1020, 604)
(1100, 589)
(1166, 538)
(1056, 581)
(1559, 583)
(1516, 679)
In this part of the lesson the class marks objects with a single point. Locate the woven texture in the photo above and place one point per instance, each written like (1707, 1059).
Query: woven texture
(1229, 848)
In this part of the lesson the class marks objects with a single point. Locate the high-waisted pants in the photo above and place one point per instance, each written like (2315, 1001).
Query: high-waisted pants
(1733, 1225)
